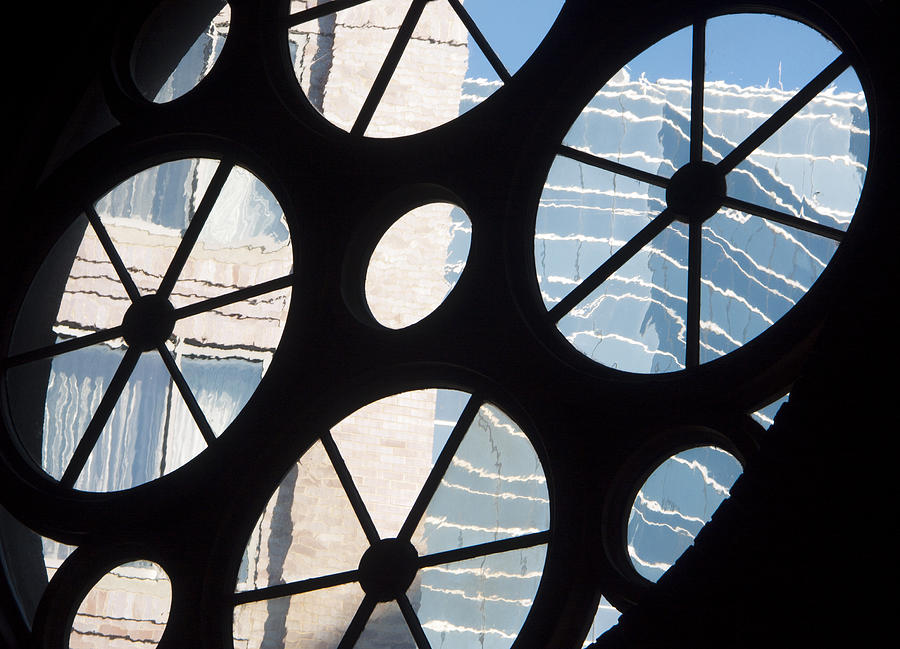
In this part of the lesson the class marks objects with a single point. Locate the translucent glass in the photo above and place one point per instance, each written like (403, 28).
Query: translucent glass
(196, 62)
(337, 57)
(416, 264)
(386, 629)
(480, 602)
(766, 415)
(128, 607)
(606, 618)
(221, 351)
(316, 619)
(678, 499)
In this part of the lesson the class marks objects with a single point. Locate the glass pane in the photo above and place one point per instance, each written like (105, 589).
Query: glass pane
(193, 66)
(814, 166)
(678, 499)
(754, 271)
(416, 264)
(387, 446)
(308, 528)
(754, 64)
(128, 607)
(480, 602)
(766, 415)
(493, 489)
(635, 321)
(386, 629)
(606, 618)
(315, 619)
(641, 117)
(147, 214)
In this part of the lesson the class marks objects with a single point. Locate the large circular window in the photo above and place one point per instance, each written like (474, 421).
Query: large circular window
(421, 518)
(150, 324)
(701, 193)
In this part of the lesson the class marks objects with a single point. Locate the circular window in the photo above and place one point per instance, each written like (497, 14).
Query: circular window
(129, 606)
(421, 516)
(701, 193)
(417, 263)
(678, 499)
(152, 50)
(150, 324)
(386, 68)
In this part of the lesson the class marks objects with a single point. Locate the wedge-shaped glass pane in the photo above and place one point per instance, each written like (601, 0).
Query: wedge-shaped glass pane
(635, 321)
(754, 271)
(678, 499)
(128, 607)
(493, 489)
(641, 117)
(308, 528)
(386, 629)
(416, 264)
(387, 446)
(134, 446)
(585, 214)
(147, 214)
(766, 415)
(754, 64)
(244, 242)
(814, 166)
(193, 66)
(480, 602)
(606, 618)
(315, 619)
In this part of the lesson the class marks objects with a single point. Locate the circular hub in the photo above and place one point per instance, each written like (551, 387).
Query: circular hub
(387, 569)
(695, 192)
(148, 322)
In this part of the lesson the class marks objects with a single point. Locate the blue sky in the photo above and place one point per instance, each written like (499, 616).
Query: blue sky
(748, 49)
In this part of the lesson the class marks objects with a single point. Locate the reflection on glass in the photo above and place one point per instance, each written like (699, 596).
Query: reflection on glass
(416, 264)
(193, 66)
(788, 200)
(606, 618)
(766, 415)
(678, 499)
(315, 619)
(480, 602)
(117, 409)
(128, 607)
(339, 59)
(430, 468)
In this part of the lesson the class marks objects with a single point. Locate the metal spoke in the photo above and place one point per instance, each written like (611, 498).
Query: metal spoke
(112, 253)
(296, 587)
(768, 128)
(695, 245)
(483, 549)
(614, 167)
(358, 623)
(785, 219)
(611, 265)
(481, 41)
(356, 501)
(101, 416)
(412, 621)
(321, 10)
(186, 393)
(194, 228)
(71, 345)
(232, 297)
(698, 73)
(376, 92)
(440, 467)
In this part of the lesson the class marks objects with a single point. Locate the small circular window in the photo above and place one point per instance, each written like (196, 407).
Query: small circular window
(701, 192)
(150, 324)
(423, 518)
(678, 499)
